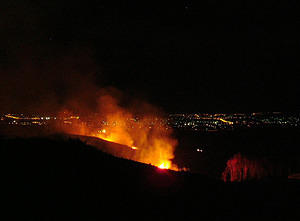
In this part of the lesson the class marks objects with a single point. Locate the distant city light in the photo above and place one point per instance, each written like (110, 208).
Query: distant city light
(195, 122)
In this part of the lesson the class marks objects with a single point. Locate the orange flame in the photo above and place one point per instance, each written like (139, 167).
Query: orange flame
(147, 135)
(164, 166)
(152, 145)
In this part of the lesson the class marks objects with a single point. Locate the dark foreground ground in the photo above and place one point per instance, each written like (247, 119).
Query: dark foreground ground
(58, 178)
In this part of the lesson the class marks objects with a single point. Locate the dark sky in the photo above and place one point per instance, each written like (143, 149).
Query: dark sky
(197, 56)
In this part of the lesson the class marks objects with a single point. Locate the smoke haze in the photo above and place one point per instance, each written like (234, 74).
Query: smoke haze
(69, 85)
(36, 84)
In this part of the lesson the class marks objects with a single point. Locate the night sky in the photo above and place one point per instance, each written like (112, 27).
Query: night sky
(196, 56)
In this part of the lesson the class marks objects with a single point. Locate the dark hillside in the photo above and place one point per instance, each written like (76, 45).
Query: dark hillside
(65, 179)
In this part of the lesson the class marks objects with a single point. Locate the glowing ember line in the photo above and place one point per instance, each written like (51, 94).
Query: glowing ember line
(163, 166)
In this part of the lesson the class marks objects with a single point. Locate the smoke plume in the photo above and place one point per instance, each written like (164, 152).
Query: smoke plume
(69, 86)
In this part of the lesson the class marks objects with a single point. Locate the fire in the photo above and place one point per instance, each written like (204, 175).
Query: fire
(164, 166)
(145, 133)
(152, 145)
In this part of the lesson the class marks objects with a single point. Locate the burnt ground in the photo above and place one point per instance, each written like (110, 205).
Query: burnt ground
(58, 178)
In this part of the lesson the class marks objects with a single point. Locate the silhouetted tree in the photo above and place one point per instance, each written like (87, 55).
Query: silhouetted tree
(240, 168)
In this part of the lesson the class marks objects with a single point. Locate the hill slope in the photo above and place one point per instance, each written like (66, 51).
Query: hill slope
(65, 179)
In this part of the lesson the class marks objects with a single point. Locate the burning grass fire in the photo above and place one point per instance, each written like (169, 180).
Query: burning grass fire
(151, 144)
(148, 138)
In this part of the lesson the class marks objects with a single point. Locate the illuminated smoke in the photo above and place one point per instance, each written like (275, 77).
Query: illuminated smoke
(142, 128)
(69, 84)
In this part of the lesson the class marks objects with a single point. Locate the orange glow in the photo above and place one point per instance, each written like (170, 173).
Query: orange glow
(146, 134)
(11, 116)
(164, 166)
(153, 145)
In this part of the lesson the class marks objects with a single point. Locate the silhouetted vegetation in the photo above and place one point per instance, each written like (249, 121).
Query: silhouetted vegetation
(242, 168)
(57, 178)
(276, 150)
